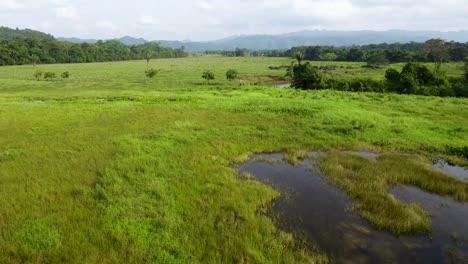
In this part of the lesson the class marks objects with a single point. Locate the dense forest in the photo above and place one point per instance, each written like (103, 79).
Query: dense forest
(19, 47)
(386, 53)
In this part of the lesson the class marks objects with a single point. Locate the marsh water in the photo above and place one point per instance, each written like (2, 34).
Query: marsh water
(458, 172)
(283, 85)
(320, 213)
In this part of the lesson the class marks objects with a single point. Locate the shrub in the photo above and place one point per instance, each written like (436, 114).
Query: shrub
(65, 75)
(231, 75)
(208, 75)
(393, 79)
(38, 75)
(49, 75)
(305, 77)
(150, 73)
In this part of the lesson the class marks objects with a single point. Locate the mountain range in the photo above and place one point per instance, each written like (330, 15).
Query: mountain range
(317, 37)
(303, 38)
(127, 40)
(270, 42)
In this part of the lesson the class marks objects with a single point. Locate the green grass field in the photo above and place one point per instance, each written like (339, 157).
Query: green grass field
(110, 167)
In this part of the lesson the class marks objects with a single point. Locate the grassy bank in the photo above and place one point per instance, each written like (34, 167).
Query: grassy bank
(144, 175)
(368, 183)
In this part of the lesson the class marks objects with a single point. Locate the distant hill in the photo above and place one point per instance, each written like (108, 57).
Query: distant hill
(78, 40)
(9, 34)
(316, 37)
(127, 40)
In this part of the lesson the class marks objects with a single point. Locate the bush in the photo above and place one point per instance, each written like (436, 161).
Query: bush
(49, 75)
(38, 75)
(231, 75)
(150, 73)
(305, 77)
(65, 75)
(208, 76)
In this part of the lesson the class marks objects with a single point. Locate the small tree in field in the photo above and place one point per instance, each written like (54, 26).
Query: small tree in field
(38, 75)
(148, 58)
(150, 73)
(208, 76)
(231, 75)
(34, 60)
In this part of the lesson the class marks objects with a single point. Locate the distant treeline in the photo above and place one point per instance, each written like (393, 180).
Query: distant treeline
(19, 51)
(391, 53)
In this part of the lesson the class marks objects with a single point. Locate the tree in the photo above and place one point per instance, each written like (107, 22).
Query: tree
(208, 76)
(299, 57)
(150, 73)
(312, 53)
(34, 60)
(437, 52)
(148, 58)
(305, 77)
(355, 54)
(377, 59)
(329, 56)
(231, 75)
(241, 52)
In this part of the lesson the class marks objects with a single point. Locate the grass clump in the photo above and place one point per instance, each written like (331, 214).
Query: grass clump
(39, 235)
(368, 183)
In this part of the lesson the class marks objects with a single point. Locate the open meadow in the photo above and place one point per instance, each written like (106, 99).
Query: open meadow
(109, 166)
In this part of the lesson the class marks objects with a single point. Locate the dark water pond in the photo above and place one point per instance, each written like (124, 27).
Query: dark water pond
(453, 170)
(320, 212)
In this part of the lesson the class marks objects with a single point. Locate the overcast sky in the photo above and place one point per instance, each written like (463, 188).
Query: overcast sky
(213, 19)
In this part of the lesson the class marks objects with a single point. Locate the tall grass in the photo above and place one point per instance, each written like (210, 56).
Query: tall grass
(368, 183)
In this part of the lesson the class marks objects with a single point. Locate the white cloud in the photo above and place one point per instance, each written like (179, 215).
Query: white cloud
(68, 12)
(11, 5)
(326, 9)
(147, 20)
(211, 19)
(107, 25)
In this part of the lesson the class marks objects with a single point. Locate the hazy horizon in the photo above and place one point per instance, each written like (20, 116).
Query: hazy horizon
(203, 20)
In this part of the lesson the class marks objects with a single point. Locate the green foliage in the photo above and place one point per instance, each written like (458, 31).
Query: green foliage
(151, 73)
(34, 59)
(377, 59)
(208, 76)
(232, 74)
(299, 56)
(48, 50)
(49, 75)
(65, 75)
(39, 235)
(38, 75)
(11, 34)
(466, 70)
(393, 53)
(305, 77)
(437, 52)
(418, 79)
(330, 56)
